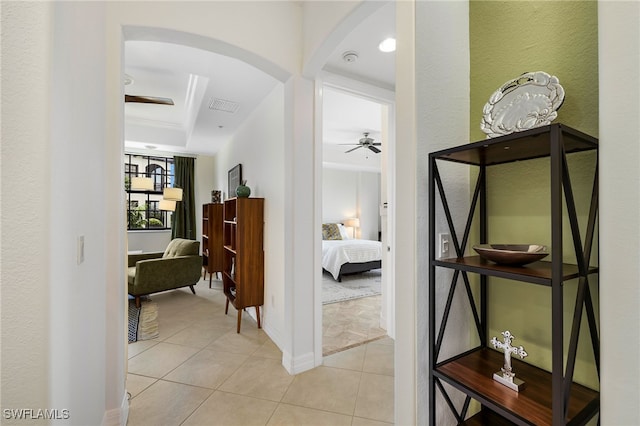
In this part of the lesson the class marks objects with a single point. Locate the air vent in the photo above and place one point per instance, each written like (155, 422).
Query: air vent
(223, 105)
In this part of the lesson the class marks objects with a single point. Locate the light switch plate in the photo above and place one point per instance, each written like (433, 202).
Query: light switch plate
(444, 246)
(80, 251)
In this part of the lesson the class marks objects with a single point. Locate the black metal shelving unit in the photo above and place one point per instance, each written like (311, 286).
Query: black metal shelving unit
(550, 397)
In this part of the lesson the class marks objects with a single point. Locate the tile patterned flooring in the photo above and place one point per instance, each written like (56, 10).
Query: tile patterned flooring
(350, 323)
(199, 371)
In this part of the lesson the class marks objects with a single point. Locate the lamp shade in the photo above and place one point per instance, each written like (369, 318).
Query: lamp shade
(141, 184)
(169, 205)
(352, 223)
(174, 194)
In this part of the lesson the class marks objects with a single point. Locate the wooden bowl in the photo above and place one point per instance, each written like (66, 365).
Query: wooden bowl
(511, 254)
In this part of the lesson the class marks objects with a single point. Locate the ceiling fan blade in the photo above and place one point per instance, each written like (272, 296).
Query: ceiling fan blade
(374, 149)
(148, 100)
(353, 149)
(377, 144)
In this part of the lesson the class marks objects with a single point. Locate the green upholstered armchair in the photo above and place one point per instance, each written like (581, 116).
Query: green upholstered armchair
(179, 266)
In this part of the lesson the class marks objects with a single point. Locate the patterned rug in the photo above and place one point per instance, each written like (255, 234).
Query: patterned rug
(143, 321)
(352, 286)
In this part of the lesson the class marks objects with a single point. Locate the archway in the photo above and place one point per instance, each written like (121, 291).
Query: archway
(161, 35)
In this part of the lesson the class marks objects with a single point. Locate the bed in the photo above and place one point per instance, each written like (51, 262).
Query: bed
(341, 256)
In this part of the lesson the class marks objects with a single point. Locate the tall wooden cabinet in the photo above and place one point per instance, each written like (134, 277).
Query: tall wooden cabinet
(243, 260)
(551, 396)
(212, 244)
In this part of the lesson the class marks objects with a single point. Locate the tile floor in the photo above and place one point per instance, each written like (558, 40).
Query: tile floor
(350, 323)
(201, 372)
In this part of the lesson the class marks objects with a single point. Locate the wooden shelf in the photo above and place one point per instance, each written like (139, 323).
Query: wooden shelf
(536, 272)
(550, 398)
(487, 418)
(211, 239)
(243, 254)
(474, 372)
(531, 144)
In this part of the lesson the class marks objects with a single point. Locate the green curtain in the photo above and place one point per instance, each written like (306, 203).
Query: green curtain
(183, 222)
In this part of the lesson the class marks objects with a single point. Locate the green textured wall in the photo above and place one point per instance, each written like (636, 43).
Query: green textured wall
(506, 40)
(509, 38)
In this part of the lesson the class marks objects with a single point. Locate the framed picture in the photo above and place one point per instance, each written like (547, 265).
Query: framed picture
(235, 177)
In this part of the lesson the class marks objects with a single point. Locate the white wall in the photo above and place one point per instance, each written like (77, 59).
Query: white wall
(25, 171)
(78, 291)
(369, 206)
(432, 73)
(619, 92)
(259, 147)
(347, 194)
(148, 241)
(59, 332)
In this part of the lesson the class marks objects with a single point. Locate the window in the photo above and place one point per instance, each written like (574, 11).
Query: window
(143, 211)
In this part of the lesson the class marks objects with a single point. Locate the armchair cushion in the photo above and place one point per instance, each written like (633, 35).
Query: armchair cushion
(182, 247)
(179, 266)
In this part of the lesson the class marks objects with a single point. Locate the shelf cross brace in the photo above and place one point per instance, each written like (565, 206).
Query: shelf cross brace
(445, 395)
(583, 296)
(459, 248)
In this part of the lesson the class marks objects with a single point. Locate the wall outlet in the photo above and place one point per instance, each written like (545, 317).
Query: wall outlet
(444, 246)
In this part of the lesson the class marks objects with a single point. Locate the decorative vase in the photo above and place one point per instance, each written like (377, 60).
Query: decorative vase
(243, 191)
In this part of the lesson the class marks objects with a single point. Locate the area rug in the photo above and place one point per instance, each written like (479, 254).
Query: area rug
(143, 321)
(352, 286)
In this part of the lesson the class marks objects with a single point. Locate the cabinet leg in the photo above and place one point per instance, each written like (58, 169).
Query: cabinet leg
(192, 289)
(210, 277)
(239, 319)
(226, 307)
(258, 316)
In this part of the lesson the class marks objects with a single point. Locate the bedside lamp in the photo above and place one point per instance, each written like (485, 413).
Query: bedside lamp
(352, 223)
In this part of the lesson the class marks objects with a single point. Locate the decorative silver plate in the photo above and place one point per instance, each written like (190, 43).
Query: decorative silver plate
(523, 103)
(511, 254)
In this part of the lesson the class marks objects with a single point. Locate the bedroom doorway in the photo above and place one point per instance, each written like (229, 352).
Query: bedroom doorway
(357, 291)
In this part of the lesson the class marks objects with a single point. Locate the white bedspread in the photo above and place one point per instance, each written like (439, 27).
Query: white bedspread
(336, 253)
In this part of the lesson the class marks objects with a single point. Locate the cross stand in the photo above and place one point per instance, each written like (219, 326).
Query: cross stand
(508, 377)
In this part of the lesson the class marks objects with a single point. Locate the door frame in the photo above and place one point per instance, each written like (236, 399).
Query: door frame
(387, 99)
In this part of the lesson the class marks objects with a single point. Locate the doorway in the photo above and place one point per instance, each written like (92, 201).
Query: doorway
(356, 144)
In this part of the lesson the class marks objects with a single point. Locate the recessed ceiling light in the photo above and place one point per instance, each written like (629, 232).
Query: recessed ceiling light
(388, 45)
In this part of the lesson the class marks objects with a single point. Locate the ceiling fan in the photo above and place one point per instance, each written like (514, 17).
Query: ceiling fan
(365, 142)
(144, 99)
(148, 100)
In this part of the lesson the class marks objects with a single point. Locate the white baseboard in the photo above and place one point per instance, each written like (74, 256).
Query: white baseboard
(299, 364)
(117, 416)
(273, 334)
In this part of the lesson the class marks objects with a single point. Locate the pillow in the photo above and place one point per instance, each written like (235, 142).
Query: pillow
(343, 232)
(182, 247)
(330, 231)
